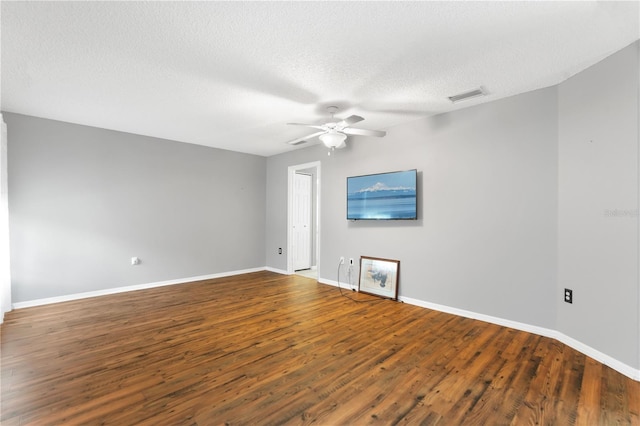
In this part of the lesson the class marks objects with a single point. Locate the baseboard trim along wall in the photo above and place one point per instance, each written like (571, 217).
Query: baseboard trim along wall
(343, 285)
(277, 271)
(107, 291)
(541, 331)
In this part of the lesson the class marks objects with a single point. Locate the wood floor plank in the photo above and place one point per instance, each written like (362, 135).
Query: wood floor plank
(589, 403)
(264, 348)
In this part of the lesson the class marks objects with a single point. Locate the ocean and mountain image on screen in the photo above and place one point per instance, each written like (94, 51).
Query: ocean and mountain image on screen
(384, 196)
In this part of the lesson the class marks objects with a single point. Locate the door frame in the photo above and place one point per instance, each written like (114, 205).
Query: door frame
(316, 225)
(5, 249)
(302, 179)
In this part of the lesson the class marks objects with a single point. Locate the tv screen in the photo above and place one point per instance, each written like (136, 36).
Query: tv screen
(383, 196)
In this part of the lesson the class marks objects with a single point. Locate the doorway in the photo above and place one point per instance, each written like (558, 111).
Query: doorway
(303, 232)
(302, 221)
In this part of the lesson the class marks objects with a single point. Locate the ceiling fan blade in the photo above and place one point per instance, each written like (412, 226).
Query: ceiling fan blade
(306, 125)
(364, 132)
(304, 138)
(350, 120)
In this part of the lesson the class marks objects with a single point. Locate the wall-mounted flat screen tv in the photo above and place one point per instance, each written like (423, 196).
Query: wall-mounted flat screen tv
(383, 196)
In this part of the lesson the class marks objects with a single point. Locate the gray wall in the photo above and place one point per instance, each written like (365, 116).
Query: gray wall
(84, 200)
(520, 198)
(486, 236)
(598, 206)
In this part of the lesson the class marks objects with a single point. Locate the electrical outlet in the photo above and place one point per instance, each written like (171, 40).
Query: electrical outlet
(342, 260)
(279, 250)
(568, 295)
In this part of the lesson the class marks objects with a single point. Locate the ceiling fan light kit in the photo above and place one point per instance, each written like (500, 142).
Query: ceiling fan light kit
(333, 139)
(333, 134)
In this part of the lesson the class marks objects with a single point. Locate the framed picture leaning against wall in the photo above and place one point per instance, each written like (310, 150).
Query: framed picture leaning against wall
(379, 277)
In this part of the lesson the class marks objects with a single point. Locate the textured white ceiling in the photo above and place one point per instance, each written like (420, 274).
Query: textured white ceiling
(232, 74)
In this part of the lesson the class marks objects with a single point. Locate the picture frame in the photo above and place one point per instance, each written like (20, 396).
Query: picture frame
(379, 277)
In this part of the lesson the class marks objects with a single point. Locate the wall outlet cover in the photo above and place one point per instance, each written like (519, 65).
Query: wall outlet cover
(568, 295)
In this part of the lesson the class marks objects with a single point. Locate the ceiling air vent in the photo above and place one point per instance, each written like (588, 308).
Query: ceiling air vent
(467, 95)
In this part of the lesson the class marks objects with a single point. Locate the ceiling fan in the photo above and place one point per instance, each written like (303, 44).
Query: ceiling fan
(333, 133)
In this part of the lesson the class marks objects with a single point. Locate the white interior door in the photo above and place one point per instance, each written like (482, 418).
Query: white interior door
(301, 227)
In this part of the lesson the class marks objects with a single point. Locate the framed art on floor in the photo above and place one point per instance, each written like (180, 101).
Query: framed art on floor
(379, 277)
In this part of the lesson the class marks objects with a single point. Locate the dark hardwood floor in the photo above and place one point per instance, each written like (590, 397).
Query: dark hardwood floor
(270, 349)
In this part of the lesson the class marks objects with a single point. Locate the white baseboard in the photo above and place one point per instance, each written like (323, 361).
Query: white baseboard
(619, 366)
(107, 291)
(328, 282)
(605, 359)
(335, 283)
(541, 331)
(282, 271)
(276, 270)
